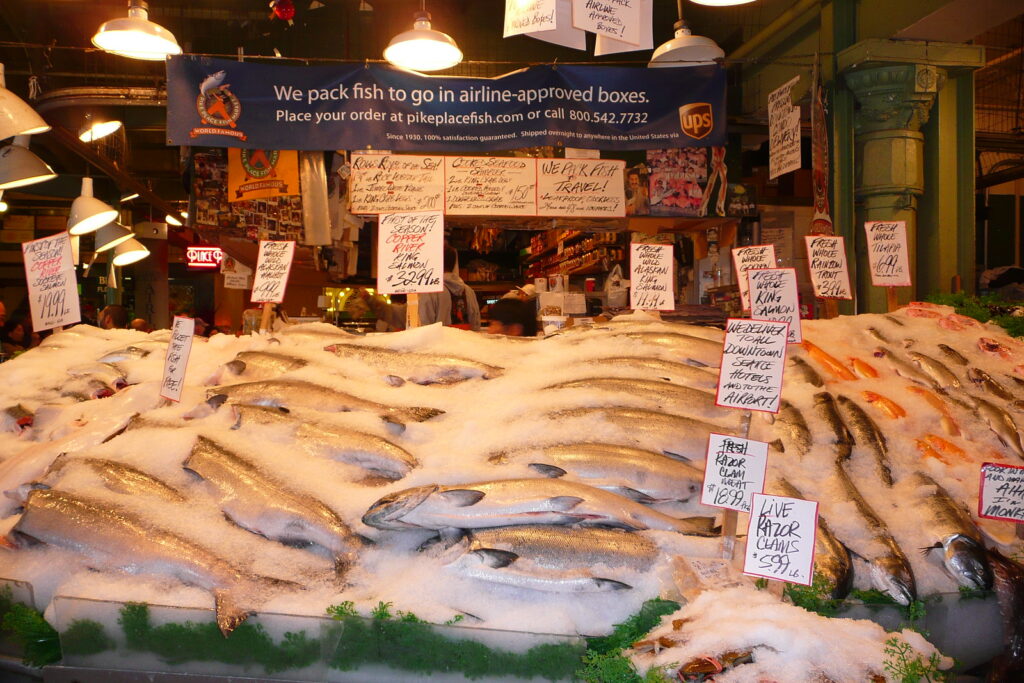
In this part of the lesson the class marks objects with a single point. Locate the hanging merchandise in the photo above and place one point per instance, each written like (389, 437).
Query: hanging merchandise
(822, 220)
(261, 173)
(316, 218)
(283, 10)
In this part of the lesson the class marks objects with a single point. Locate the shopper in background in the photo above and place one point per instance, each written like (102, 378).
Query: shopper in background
(512, 317)
(140, 325)
(14, 338)
(463, 308)
(113, 317)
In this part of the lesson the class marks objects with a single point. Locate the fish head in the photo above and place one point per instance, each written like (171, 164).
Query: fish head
(892, 576)
(965, 561)
(387, 513)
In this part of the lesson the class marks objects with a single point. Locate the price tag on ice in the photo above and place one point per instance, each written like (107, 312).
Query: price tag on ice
(650, 280)
(887, 253)
(780, 539)
(753, 359)
(773, 296)
(733, 472)
(750, 258)
(1002, 492)
(52, 288)
(272, 268)
(826, 258)
(410, 252)
(176, 360)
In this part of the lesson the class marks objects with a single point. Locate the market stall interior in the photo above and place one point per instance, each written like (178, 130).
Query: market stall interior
(252, 422)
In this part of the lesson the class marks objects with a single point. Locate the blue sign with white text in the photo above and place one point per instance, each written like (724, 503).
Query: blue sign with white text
(223, 103)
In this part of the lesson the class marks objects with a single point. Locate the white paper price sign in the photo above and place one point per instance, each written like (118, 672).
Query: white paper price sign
(176, 360)
(1002, 492)
(389, 183)
(272, 268)
(650, 281)
(52, 288)
(410, 252)
(750, 258)
(773, 296)
(526, 16)
(887, 253)
(780, 539)
(733, 472)
(497, 186)
(753, 360)
(830, 275)
(611, 18)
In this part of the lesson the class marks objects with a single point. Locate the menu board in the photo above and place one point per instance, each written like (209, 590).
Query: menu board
(497, 186)
(394, 183)
(748, 258)
(272, 268)
(650, 281)
(773, 296)
(733, 472)
(581, 188)
(52, 288)
(176, 360)
(1002, 492)
(753, 359)
(830, 275)
(780, 539)
(410, 252)
(887, 253)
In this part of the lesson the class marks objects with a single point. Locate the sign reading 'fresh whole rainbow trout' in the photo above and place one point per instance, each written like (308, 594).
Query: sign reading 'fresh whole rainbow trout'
(224, 103)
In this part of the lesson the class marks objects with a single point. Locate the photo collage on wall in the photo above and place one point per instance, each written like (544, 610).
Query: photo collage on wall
(691, 182)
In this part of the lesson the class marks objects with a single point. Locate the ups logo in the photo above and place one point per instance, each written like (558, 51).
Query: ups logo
(696, 120)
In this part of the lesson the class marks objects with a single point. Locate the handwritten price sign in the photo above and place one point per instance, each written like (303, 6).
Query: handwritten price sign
(650, 283)
(734, 471)
(753, 360)
(780, 539)
(383, 183)
(887, 253)
(495, 186)
(773, 296)
(272, 269)
(52, 288)
(581, 188)
(751, 258)
(1002, 492)
(830, 275)
(176, 360)
(410, 252)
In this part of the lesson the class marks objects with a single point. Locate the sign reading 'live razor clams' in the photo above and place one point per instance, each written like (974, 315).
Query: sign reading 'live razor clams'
(52, 289)
(887, 253)
(176, 360)
(752, 363)
(826, 257)
(410, 252)
(272, 268)
(650, 282)
(780, 539)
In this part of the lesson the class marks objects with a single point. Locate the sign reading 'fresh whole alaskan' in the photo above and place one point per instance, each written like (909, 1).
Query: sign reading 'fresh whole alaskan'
(224, 103)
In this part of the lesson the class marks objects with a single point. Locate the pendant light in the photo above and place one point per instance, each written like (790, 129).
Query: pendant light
(3, 204)
(685, 49)
(16, 116)
(94, 130)
(88, 214)
(721, 3)
(111, 235)
(135, 36)
(19, 166)
(423, 48)
(129, 251)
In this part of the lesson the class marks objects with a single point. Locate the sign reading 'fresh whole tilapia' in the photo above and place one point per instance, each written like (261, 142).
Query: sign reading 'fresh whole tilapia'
(224, 103)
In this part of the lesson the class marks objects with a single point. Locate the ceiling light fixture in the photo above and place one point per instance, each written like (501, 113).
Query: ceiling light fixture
(721, 3)
(129, 251)
(686, 49)
(3, 204)
(88, 214)
(19, 166)
(111, 235)
(95, 130)
(171, 219)
(135, 36)
(16, 116)
(422, 48)
(128, 196)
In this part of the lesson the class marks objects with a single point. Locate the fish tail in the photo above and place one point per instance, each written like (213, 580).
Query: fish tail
(230, 614)
(421, 414)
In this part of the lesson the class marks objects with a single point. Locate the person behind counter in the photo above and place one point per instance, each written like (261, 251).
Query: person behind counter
(513, 317)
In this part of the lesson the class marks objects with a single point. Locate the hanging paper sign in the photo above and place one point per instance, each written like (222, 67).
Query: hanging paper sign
(749, 258)
(410, 253)
(605, 45)
(826, 257)
(563, 33)
(496, 186)
(272, 269)
(1002, 492)
(733, 472)
(176, 360)
(582, 188)
(783, 131)
(236, 275)
(396, 183)
(650, 279)
(261, 173)
(526, 16)
(773, 296)
(52, 288)
(752, 363)
(888, 256)
(780, 539)
(616, 19)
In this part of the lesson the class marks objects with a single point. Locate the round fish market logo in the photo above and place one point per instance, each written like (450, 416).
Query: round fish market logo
(259, 163)
(218, 107)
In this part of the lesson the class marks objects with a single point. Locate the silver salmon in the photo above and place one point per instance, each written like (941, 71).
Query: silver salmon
(116, 476)
(674, 398)
(680, 373)
(867, 433)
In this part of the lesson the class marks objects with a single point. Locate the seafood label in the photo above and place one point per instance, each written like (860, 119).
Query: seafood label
(498, 186)
(650, 278)
(52, 288)
(581, 188)
(750, 258)
(733, 472)
(887, 253)
(1002, 492)
(176, 360)
(410, 252)
(830, 275)
(773, 296)
(753, 359)
(780, 539)
(390, 183)
(272, 268)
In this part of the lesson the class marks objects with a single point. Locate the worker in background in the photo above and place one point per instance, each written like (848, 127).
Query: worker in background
(512, 317)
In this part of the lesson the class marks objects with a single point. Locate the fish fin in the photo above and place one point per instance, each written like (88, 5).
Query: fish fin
(499, 458)
(122, 430)
(549, 471)
(235, 367)
(394, 380)
(445, 538)
(461, 497)
(494, 558)
(777, 445)
(274, 340)
(611, 585)
(925, 551)
(696, 363)
(398, 425)
(563, 503)
(632, 494)
(422, 414)
(216, 401)
(230, 614)
(699, 523)
(676, 456)
(342, 563)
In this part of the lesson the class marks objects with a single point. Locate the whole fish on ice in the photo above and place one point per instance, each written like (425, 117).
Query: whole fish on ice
(116, 476)
(674, 398)
(867, 433)
(421, 368)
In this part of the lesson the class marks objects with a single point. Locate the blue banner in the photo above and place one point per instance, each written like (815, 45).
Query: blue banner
(223, 103)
